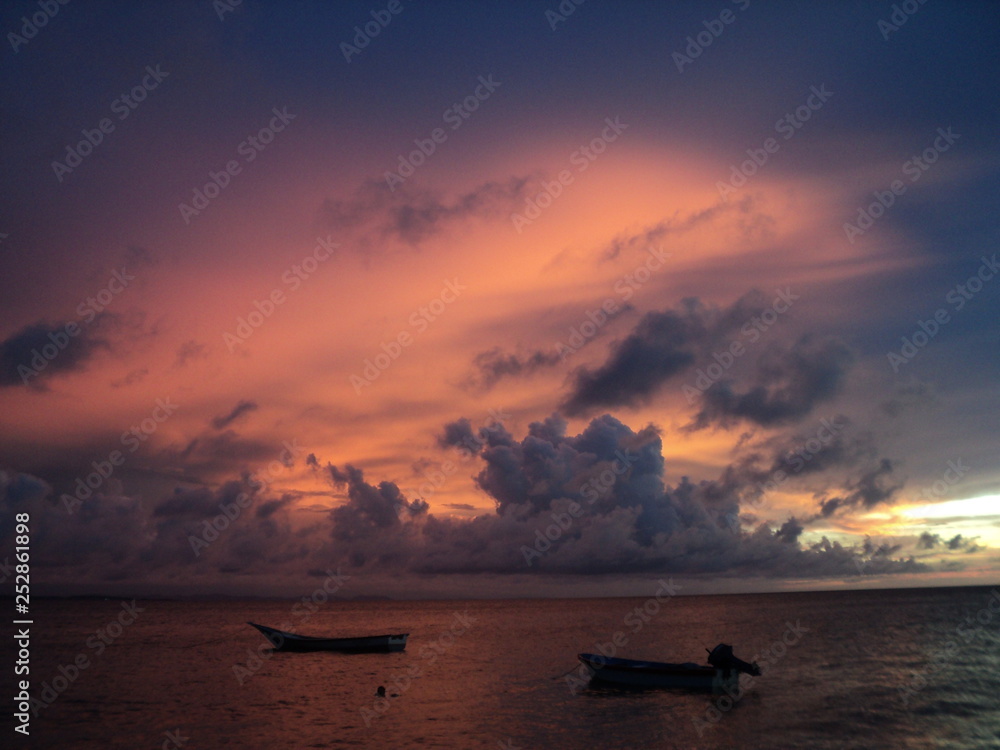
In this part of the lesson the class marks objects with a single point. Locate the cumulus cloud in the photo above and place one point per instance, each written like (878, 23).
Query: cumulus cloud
(958, 542)
(589, 503)
(629, 520)
(928, 540)
(369, 508)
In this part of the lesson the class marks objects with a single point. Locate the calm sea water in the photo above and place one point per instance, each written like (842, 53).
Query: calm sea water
(869, 669)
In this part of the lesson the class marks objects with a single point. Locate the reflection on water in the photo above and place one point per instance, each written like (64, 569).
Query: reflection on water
(914, 669)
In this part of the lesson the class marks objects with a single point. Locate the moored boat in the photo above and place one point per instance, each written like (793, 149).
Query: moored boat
(283, 641)
(722, 673)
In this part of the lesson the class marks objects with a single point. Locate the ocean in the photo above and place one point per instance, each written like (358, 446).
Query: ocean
(914, 668)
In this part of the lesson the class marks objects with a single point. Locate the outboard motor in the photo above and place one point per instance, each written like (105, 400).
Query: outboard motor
(721, 657)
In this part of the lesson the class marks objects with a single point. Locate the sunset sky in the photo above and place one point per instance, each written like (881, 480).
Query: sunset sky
(496, 299)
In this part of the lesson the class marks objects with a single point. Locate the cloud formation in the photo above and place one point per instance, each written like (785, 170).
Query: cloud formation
(41, 351)
(241, 408)
(494, 364)
(788, 385)
(662, 345)
(591, 503)
(413, 215)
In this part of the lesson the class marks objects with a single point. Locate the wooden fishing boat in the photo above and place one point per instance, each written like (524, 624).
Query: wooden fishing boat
(283, 641)
(722, 673)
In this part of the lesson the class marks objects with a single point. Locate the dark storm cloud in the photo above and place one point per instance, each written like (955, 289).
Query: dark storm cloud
(214, 455)
(790, 531)
(662, 345)
(789, 384)
(413, 215)
(97, 541)
(878, 485)
(969, 545)
(241, 408)
(630, 521)
(831, 444)
(830, 453)
(38, 352)
(457, 433)
(17, 490)
(369, 508)
(591, 503)
(269, 508)
(956, 543)
(928, 540)
(197, 502)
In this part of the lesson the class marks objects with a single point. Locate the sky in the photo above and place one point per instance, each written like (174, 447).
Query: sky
(499, 299)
